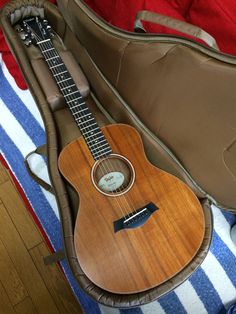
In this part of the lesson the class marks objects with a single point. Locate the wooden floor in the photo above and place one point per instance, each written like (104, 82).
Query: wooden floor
(26, 284)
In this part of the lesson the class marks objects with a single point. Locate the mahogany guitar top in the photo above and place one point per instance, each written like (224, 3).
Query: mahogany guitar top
(130, 260)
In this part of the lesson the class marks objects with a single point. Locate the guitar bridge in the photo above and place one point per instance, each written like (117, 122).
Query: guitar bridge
(136, 218)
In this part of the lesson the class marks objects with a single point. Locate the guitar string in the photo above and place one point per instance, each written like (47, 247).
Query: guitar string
(83, 123)
(43, 44)
(51, 55)
(103, 164)
(78, 115)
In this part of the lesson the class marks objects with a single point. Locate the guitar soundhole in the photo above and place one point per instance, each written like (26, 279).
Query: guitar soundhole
(113, 175)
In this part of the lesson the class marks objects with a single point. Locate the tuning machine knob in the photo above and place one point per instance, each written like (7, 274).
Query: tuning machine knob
(18, 28)
(28, 42)
(23, 35)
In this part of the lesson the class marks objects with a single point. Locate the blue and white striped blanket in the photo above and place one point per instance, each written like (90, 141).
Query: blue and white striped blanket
(211, 289)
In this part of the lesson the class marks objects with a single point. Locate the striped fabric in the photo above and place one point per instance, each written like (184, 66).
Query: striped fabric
(211, 289)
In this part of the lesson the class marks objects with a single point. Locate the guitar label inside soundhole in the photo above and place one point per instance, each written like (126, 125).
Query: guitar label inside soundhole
(111, 181)
(113, 175)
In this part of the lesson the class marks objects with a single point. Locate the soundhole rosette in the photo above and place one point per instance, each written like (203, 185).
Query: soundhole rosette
(113, 175)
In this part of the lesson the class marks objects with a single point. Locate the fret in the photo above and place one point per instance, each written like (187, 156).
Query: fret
(96, 141)
(57, 68)
(87, 137)
(81, 120)
(88, 126)
(74, 99)
(56, 65)
(97, 146)
(105, 150)
(60, 73)
(82, 110)
(63, 75)
(69, 78)
(85, 133)
(73, 107)
(80, 123)
(72, 93)
(43, 51)
(78, 105)
(60, 67)
(103, 155)
(52, 58)
(53, 63)
(50, 54)
(43, 41)
(67, 87)
(86, 115)
(106, 144)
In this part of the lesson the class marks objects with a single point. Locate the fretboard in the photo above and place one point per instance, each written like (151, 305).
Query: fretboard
(96, 141)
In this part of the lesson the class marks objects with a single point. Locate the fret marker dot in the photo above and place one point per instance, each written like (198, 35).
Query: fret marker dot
(62, 76)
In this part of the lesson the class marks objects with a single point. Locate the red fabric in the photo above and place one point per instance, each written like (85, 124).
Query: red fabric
(9, 59)
(217, 17)
(121, 13)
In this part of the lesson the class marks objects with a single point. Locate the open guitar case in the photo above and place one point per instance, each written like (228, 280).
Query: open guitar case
(178, 93)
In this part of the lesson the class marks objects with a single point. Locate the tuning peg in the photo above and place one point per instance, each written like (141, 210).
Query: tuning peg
(28, 42)
(45, 22)
(18, 28)
(49, 27)
(23, 35)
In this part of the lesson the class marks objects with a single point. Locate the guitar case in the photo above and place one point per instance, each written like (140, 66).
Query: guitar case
(178, 93)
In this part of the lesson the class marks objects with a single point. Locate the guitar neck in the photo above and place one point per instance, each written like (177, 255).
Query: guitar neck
(97, 143)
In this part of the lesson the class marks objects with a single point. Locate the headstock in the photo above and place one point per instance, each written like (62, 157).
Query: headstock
(34, 30)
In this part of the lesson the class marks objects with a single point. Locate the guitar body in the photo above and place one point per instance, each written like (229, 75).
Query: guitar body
(136, 258)
(137, 226)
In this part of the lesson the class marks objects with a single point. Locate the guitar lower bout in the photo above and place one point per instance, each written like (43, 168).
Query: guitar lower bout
(137, 226)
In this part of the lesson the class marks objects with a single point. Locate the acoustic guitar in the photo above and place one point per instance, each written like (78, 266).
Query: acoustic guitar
(137, 226)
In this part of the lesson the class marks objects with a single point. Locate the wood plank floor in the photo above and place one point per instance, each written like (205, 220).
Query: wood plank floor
(26, 284)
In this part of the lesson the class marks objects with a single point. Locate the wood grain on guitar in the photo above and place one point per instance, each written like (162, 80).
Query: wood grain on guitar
(132, 260)
(137, 226)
